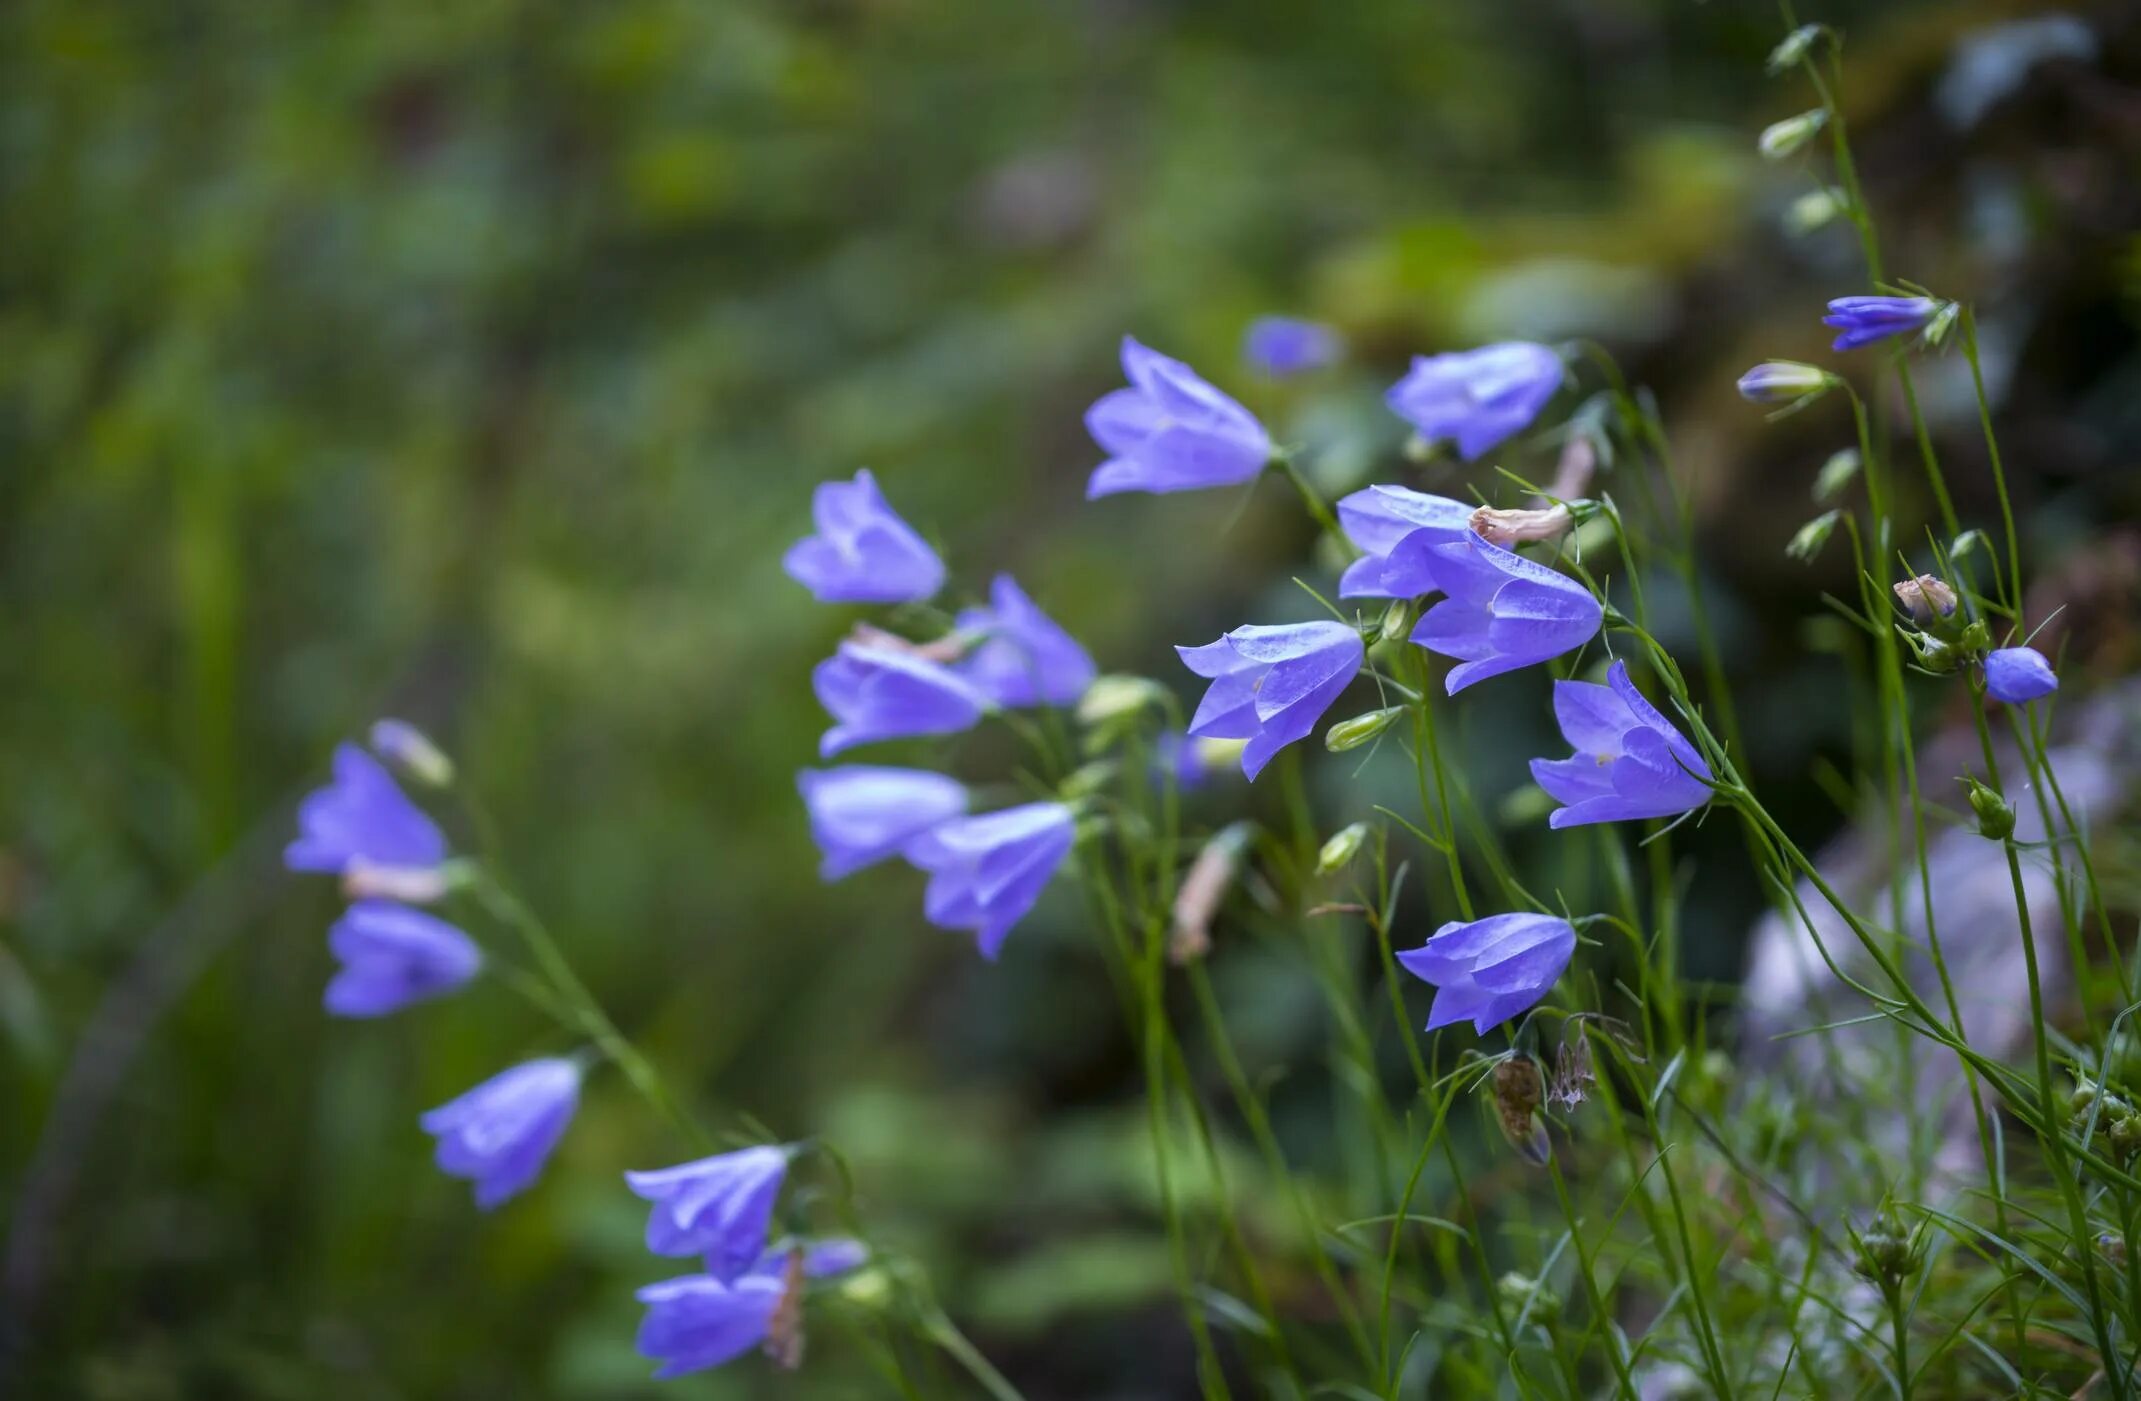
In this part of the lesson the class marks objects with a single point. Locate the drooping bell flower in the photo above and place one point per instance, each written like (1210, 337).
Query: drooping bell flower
(879, 693)
(1477, 398)
(986, 872)
(1025, 657)
(719, 1207)
(2018, 675)
(500, 1133)
(1271, 684)
(362, 818)
(393, 956)
(1630, 762)
(1287, 345)
(1171, 431)
(697, 1321)
(1491, 969)
(862, 813)
(863, 552)
(1502, 612)
(1394, 528)
(1864, 320)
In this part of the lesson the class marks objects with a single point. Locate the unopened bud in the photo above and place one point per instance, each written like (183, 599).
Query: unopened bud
(1397, 622)
(1934, 655)
(1887, 1254)
(1520, 1290)
(1816, 209)
(1784, 382)
(1507, 528)
(1116, 697)
(1836, 474)
(1812, 536)
(1781, 139)
(1339, 851)
(1926, 598)
(1793, 47)
(411, 751)
(1353, 733)
(1995, 815)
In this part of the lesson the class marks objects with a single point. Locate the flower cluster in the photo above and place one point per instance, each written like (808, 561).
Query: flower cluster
(987, 870)
(365, 829)
(499, 1135)
(721, 1209)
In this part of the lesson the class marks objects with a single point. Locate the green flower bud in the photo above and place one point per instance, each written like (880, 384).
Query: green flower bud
(1118, 697)
(1397, 622)
(1812, 536)
(1816, 209)
(1793, 47)
(1340, 850)
(1836, 474)
(1781, 139)
(1887, 1254)
(1518, 1290)
(1995, 815)
(1353, 733)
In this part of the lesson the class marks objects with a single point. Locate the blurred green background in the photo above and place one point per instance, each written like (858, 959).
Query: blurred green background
(473, 363)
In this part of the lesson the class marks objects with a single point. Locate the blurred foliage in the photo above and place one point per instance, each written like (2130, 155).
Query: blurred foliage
(473, 363)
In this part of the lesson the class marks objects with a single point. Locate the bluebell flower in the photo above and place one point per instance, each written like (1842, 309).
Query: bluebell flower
(1492, 969)
(392, 956)
(1502, 612)
(719, 1207)
(697, 1321)
(1629, 762)
(877, 693)
(1864, 320)
(1271, 684)
(863, 552)
(500, 1134)
(2018, 675)
(1171, 431)
(362, 818)
(1287, 345)
(1394, 528)
(1479, 397)
(862, 813)
(1025, 657)
(986, 872)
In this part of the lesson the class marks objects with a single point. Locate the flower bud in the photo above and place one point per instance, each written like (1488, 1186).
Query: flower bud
(1396, 624)
(411, 751)
(1353, 733)
(1784, 382)
(1781, 139)
(1816, 209)
(1519, 1290)
(1793, 47)
(1995, 815)
(1339, 851)
(1836, 473)
(1933, 654)
(1511, 528)
(1887, 1254)
(1117, 697)
(1926, 598)
(1812, 536)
